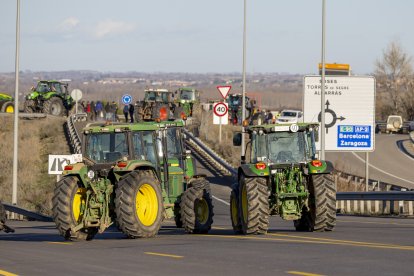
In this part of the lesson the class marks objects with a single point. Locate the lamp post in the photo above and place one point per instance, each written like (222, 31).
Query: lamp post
(16, 108)
(244, 82)
(322, 157)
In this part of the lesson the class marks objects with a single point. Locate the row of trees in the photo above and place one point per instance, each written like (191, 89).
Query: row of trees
(395, 83)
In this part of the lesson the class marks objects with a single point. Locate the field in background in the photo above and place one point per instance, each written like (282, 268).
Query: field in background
(37, 139)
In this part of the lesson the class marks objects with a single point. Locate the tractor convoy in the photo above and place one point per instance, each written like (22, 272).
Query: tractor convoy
(134, 176)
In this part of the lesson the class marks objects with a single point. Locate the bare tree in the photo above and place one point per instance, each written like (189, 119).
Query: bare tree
(394, 73)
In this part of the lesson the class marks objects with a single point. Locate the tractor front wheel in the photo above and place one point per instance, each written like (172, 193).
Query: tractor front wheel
(29, 106)
(7, 107)
(54, 106)
(196, 207)
(254, 205)
(69, 203)
(139, 205)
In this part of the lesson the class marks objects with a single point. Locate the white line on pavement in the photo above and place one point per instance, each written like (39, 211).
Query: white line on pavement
(222, 201)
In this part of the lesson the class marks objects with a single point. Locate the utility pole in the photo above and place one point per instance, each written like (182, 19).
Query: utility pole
(243, 153)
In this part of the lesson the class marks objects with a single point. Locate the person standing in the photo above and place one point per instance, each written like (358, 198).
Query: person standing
(93, 111)
(99, 110)
(131, 112)
(108, 112)
(88, 110)
(125, 111)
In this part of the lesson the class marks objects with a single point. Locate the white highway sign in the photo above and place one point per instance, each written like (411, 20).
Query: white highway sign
(58, 162)
(349, 111)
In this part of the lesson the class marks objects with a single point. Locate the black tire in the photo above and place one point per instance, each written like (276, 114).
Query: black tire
(177, 213)
(197, 207)
(54, 106)
(234, 210)
(139, 205)
(254, 205)
(29, 106)
(2, 214)
(321, 215)
(67, 213)
(7, 107)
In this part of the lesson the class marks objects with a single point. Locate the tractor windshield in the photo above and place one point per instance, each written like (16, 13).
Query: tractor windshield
(42, 87)
(106, 147)
(281, 147)
(187, 95)
(150, 96)
(144, 146)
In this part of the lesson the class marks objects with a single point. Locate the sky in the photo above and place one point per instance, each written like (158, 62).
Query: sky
(196, 36)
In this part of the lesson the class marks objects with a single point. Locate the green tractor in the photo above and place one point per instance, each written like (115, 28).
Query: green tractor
(157, 104)
(187, 102)
(133, 175)
(235, 110)
(6, 103)
(50, 97)
(281, 176)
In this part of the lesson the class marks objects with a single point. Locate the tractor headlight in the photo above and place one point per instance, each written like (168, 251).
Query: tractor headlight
(91, 174)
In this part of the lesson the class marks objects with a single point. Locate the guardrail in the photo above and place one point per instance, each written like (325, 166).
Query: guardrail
(378, 203)
(74, 137)
(23, 213)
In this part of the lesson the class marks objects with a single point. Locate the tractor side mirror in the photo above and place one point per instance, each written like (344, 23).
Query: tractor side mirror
(237, 139)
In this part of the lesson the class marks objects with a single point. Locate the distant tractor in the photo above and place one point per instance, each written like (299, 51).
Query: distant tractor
(50, 97)
(282, 176)
(157, 104)
(187, 102)
(134, 175)
(6, 103)
(235, 110)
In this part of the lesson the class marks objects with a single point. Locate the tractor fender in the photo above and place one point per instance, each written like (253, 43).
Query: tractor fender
(326, 168)
(80, 171)
(134, 165)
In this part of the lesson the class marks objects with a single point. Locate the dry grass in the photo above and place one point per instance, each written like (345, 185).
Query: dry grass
(37, 139)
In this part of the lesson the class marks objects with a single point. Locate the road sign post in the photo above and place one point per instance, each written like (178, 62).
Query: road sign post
(221, 115)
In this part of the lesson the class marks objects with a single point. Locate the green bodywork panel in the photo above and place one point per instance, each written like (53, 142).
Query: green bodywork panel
(5, 97)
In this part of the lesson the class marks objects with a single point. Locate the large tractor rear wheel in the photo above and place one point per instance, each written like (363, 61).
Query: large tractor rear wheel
(2, 216)
(254, 205)
(196, 207)
(7, 107)
(234, 210)
(29, 106)
(321, 215)
(139, 205)
(69, 203)
(54, 106)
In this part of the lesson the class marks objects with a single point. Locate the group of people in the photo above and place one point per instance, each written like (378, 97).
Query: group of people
(108, 111)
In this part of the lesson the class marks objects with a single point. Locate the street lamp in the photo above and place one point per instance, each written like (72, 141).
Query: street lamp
(244, 82)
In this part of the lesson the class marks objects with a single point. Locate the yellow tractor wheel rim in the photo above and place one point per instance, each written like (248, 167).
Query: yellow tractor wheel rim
(146, 204)
(78, 204)
(244, 202)
(202, 210)
(234, 209)
(10, 109)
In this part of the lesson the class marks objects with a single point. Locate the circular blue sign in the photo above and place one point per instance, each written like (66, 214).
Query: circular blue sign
(126, 99)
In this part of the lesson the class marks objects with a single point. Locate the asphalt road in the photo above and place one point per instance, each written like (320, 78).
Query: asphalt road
(358, 246)
(388, 163)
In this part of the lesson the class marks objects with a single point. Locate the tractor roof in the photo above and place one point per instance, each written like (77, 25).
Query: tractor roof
(121, 127)
(5, 97)
(268, 128)
(187, 89)
(52, 81)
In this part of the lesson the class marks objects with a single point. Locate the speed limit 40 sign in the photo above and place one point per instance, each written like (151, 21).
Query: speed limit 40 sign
(221, 113)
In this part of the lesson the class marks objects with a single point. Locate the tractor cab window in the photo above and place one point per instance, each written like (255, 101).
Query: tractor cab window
(287, 147)
(164, 97)
(173, 143)
(187, 95)
(258, 148)
(55, 87)
(106, 147)
(42, 87)
(150, 96)
(144, 147)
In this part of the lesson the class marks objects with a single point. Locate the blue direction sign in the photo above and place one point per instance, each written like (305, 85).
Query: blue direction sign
(126, 99)
(357, 136)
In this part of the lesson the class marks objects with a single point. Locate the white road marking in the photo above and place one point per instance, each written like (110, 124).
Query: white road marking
(222, 201)
(384, 172)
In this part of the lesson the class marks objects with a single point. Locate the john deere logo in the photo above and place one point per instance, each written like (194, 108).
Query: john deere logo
(294, 128)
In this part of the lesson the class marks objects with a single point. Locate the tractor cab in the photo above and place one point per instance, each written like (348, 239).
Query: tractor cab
(158, 95)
